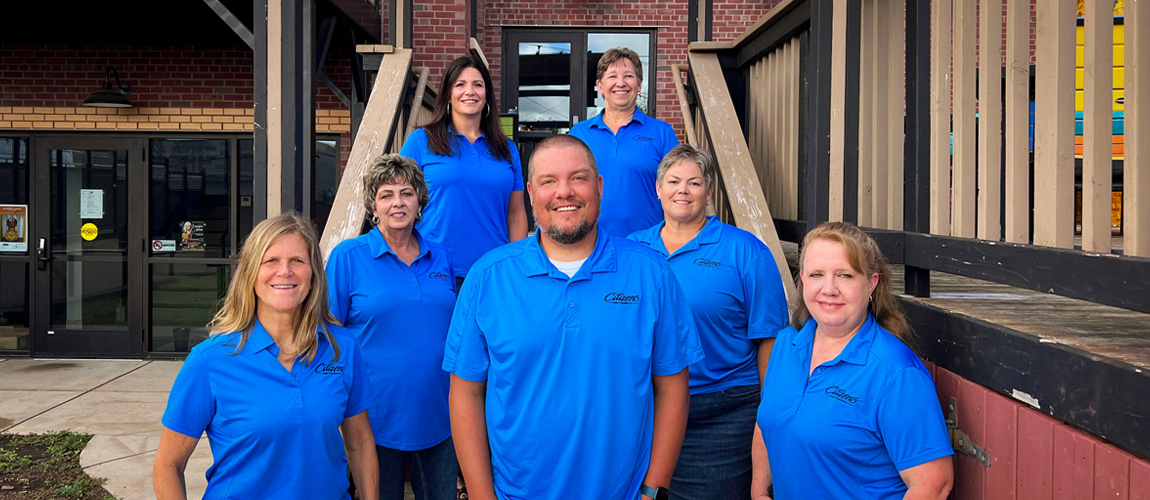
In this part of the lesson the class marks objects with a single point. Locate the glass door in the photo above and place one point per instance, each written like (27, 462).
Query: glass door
(88, 244)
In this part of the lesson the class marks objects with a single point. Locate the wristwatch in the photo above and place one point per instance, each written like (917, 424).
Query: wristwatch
(655, 492)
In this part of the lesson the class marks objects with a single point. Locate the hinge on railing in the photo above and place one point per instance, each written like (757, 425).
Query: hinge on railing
(959, 440)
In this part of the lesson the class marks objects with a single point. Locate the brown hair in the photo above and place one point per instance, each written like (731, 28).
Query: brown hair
(614, 55)
(438, 129)
(865, 257)
(238, 312)
(393, 169)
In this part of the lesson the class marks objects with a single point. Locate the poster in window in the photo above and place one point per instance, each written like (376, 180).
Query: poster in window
(14, 237)
(192, 236)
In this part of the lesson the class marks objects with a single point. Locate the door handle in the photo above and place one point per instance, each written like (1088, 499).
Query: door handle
(42, 255)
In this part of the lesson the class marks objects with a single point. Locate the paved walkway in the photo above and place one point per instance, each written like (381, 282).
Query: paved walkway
(119, 402)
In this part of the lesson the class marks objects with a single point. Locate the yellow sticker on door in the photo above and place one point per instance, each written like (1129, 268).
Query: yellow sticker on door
(89, 231)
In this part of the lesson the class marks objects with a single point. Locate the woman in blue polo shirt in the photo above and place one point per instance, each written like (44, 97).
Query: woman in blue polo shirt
(274, 386)
(628, 145)
(849, 411)
(737, 299)
(395, 291)
(472, 169)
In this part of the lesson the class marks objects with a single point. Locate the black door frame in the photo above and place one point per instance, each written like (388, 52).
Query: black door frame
(49, 342)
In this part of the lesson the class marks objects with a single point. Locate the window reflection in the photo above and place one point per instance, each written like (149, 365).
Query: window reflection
(544, 86)
(190, 186)
(597, 44)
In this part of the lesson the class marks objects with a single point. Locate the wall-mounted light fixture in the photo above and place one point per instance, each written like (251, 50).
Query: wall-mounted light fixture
(109, 96)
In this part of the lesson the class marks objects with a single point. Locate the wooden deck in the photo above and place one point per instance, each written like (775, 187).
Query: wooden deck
(1111, 332)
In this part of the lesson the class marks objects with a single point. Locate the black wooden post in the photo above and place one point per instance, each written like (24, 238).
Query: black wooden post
(816, 130)
(851, 114)
(916, 186)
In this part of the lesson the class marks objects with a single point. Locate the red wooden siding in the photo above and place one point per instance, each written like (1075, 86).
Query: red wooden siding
(1033, 456)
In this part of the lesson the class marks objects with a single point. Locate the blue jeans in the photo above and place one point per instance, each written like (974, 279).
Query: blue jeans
(715, 461)
(433, 472)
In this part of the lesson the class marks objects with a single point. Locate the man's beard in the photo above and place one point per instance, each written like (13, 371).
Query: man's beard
(569, 237)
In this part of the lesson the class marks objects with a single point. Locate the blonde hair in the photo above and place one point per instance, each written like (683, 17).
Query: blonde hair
(865, 257)
(238, 312)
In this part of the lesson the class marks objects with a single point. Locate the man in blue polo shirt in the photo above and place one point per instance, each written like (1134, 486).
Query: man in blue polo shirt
(628, 145)
(568, 352)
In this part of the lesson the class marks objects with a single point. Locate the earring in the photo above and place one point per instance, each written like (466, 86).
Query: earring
(449, 108)
(375, 220)
(486, 109)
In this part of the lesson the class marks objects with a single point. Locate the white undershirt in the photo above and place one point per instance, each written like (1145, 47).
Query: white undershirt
(568, 268)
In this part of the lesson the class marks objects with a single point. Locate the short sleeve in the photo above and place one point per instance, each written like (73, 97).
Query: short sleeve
(910, 419)
(465, 354)
(191, 404)
(358, 397)
(676, 343)
(338, 292)
(516, 167)
(670, 140)
(766, 299)
(414, 146)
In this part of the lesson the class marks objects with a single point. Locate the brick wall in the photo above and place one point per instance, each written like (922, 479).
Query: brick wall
(175, 89)
(732, 17)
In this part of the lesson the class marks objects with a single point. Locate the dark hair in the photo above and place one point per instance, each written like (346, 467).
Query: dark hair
(393, 169)
(438, 129)
(865, 257)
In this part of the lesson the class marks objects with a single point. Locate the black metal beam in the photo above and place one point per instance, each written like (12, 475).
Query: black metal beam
(363, 14)
(916, 153)
(323, 42)
(1094, 393)
(260, 105)
(851, 114)
(359, 90)
(782, 30)
(816, 132)
(233, 22)
(327, 82)
(790, 230)
(1101, 278)
(297, 77)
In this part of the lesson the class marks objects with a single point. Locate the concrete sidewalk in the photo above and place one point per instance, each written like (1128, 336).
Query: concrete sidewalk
(119, 402)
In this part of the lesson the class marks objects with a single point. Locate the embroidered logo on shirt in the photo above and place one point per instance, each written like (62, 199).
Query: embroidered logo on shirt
(642, 138)
(621, 298)
(840, 394)
(436, 275)
(328, 369)
(705, 262)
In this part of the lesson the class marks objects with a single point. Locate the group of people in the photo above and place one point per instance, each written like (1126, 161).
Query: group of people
(632, 347)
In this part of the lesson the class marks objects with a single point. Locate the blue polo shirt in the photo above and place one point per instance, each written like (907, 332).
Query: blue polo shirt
(628, 161)
(859, 419)
(568, 364)
(469, 191)
(736, 295)
(401, 329)
(273, 434)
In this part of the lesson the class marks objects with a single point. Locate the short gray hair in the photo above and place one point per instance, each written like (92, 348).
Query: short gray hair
(689, 153)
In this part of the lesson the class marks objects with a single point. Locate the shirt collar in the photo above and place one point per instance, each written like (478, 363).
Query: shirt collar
(259, 340)
(379, 246)
(638, 116)
(856, 350)
(709, 234)
(602, 258)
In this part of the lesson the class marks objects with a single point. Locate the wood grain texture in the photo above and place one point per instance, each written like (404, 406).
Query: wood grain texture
(867, 134)
(838, 108)
(1136, 181)
(1097, 121)
(741, 182)
(1017, 187)
(989, 120)
(881, 118)
(1054, 124)
(895, 114)
(963, 193)
(374, 138)
(940, 50)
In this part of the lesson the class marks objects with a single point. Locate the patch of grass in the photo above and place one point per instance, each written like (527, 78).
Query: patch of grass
(47, 466)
